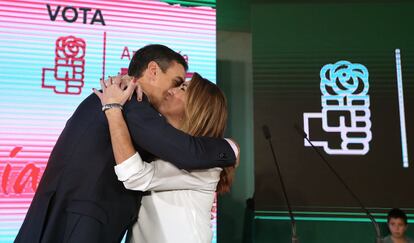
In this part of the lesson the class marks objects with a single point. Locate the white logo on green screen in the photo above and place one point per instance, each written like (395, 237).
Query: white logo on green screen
(345, 109)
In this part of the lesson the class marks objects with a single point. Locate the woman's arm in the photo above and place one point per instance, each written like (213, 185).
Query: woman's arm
(137, 174)
(120, 138)
(160, 175)
(156, 176)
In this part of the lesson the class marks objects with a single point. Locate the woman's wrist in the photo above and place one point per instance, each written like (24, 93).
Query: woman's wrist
(113, 114)
(111, 106)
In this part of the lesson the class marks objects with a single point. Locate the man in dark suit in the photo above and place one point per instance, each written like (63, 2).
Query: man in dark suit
(79, 198)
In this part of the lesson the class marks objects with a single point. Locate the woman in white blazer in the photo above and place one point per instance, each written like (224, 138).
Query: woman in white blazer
(178, 207)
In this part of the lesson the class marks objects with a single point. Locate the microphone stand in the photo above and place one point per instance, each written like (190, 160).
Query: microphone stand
(268, 137)
(373, 221)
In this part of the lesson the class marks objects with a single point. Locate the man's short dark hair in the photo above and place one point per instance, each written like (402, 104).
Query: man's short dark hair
(161, 54)
(396, 213)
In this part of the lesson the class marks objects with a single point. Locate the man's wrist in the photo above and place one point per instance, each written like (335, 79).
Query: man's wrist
(234, 146)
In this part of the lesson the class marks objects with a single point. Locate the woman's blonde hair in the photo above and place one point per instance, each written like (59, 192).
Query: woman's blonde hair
(206, 115)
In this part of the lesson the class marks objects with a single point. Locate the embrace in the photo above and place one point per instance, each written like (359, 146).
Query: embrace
(145, 154)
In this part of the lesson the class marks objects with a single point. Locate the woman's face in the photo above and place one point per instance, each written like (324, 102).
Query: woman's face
(173, 104)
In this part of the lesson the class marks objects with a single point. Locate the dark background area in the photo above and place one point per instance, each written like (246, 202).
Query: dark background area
(291, 43)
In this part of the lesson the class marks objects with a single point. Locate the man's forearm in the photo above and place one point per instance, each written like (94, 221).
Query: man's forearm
(151, 132)
(120, 137)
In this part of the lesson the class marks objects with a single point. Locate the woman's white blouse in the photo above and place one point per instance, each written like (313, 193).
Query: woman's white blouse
(179, 205)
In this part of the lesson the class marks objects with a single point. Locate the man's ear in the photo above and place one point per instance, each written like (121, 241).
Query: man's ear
(152, 70)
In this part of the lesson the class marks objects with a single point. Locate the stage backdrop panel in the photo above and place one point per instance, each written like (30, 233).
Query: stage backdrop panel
(345, 73)
(54, 52)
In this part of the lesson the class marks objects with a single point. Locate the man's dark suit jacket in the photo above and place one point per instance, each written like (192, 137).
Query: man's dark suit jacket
(79, 198)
